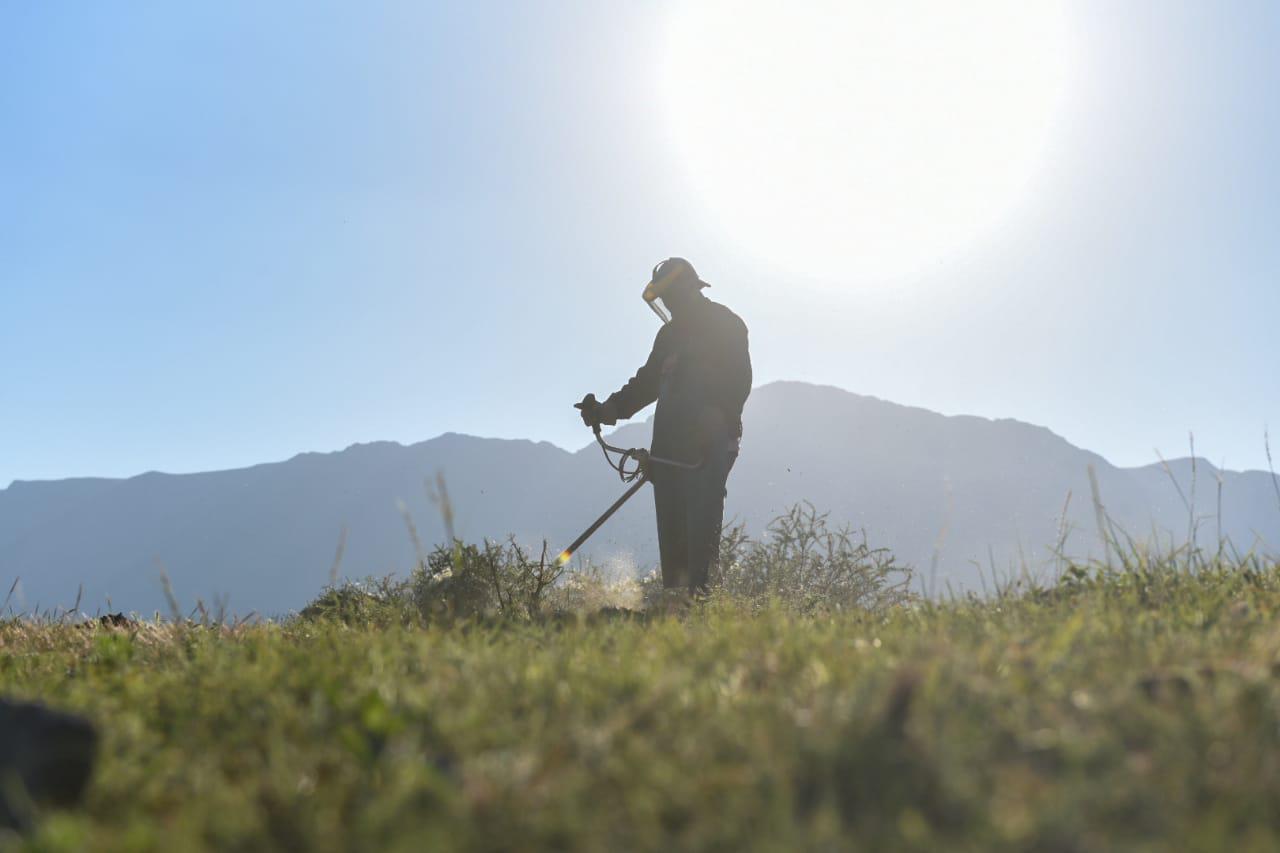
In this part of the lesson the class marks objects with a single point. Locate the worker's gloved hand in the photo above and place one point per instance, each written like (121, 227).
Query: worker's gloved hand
(588, 408)
(595, 413)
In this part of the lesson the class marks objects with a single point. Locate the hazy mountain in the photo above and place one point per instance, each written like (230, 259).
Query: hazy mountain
(980, 492)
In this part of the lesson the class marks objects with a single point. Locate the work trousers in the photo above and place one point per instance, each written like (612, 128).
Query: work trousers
(690, 510)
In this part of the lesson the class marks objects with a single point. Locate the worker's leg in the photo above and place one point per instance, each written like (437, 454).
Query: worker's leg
(670, 501)
(704, 511)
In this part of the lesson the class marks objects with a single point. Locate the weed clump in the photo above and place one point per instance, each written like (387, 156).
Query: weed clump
(804, 563)
(372, 601)
(492, 580)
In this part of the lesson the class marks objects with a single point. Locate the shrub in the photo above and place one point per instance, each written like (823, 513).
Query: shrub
(492, 579)
(372, 601)
(802, 563)
(806, 564)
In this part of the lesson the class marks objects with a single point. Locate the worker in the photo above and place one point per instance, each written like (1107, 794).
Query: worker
(700, 375)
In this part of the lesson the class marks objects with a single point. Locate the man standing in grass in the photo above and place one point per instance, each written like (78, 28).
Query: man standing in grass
(700, 375)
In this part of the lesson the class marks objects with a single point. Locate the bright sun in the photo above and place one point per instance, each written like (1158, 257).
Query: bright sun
(863, 141)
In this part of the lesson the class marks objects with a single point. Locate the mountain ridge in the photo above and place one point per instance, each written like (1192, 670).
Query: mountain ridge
(961, 488)
(1201, 461)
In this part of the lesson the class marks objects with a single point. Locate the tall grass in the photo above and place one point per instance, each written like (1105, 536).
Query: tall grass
(1130, 706)
(809, 702)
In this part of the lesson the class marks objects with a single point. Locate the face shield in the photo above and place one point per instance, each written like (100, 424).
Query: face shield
(667, 273)
(651, 296)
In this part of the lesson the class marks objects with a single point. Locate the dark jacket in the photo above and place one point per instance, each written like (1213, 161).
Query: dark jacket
(700, 374)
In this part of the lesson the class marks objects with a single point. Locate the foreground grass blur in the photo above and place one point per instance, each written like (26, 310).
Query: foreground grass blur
(1135, 708)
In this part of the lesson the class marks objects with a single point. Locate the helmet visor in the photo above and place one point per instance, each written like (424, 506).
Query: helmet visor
(651, 295)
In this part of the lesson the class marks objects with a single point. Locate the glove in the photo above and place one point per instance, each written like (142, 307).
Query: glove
(595, 413)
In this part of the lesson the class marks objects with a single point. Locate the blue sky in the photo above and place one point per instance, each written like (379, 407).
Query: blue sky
(230, 232)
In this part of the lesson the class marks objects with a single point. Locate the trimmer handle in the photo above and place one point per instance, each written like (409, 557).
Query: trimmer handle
(589, 404)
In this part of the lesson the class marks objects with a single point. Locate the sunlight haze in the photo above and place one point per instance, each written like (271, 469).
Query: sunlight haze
(863, 142)
(233, 232)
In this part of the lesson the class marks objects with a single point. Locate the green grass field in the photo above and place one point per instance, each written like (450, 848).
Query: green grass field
(1125, 710)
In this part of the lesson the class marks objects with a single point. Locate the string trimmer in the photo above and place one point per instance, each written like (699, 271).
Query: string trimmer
(632, 465)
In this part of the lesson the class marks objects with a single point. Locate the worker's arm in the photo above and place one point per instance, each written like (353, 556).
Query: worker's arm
(642, 389)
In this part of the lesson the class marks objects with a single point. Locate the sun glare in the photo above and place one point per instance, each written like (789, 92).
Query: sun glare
(862, 141)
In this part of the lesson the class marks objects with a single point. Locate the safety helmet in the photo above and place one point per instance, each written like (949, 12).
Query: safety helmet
(668, 275)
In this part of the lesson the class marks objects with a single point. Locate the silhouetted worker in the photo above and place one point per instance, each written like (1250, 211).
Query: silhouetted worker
(700, 374)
